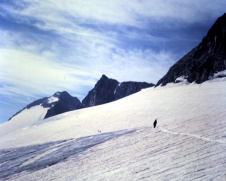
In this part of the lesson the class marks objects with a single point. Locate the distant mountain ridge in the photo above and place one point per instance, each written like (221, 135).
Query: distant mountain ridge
(107, 90)
(58, 103)
(127, 88)
(202, 62)
(65, 103)
(103, 92)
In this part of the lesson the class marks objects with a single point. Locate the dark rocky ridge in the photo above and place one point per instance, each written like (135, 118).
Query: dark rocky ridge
(65, 103)
(107, 90)
(103, 92)
(127, 88)
(203, 61)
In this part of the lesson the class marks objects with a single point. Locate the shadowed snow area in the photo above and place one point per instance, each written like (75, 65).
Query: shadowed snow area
(143, 154)
(36, 157)
(188, 143)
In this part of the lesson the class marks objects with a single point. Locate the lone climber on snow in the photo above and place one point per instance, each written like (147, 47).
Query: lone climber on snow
(155, 123)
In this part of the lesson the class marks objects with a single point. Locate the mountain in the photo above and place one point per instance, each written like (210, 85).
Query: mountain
(103, 92)
(127, 88)
(65, 103)
(205, 60)
(107, 90)
(58, 103)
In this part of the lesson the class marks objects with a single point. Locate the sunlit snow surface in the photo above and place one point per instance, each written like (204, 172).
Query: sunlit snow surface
(116, 141)
(52, 99)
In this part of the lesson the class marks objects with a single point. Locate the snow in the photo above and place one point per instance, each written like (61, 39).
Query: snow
(53, 99)
(182, 79)
(189, 142)
(116, 88)
(219, 74)
(37, 157)
(22, 121)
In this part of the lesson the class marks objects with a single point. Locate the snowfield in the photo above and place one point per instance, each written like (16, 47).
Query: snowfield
(117, 141)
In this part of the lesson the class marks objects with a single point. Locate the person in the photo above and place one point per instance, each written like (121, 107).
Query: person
(155, 123)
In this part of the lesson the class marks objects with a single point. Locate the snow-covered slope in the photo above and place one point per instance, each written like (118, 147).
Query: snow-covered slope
(23, 119)
(116, 141)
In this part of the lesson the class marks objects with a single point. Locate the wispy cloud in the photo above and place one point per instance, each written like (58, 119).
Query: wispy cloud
(28, 74)
(126, 12)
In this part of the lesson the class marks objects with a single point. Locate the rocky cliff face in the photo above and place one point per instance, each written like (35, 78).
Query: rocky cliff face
(203, 61)
(103, 92)
(127, 88)
(107, 90)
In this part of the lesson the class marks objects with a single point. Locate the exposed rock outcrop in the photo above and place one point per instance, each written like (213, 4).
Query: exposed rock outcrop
(203, 61)
(107, 90)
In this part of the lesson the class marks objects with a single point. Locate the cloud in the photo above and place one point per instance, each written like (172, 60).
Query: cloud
(70, 52)
(133, 65)
(27, 74)
(27, 71)
(4, 102)
(52, 14)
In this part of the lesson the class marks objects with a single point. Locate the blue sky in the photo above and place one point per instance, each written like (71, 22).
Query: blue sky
(55, 45)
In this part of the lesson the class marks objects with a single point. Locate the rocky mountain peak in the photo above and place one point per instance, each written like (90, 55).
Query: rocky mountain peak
(215, 40)
(63, 102)
(103, 92)
(107, 90)
(61, 94)
(58, 103)
(103, 77)
(105, 81)
(202, 62)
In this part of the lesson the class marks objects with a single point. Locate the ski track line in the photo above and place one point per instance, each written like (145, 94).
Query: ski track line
(192, 135)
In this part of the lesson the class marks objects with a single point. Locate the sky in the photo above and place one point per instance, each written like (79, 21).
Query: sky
(56, 45)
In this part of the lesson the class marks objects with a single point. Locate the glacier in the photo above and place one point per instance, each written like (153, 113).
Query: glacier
(188, 143)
